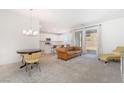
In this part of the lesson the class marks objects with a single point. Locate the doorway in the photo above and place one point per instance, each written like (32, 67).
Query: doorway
(91, 41)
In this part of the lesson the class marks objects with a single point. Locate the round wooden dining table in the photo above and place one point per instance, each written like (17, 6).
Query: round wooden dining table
(27, 51)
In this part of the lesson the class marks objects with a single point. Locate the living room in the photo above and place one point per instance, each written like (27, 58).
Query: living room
(70, 42)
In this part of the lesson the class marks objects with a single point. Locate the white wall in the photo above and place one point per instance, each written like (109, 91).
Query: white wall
(112, 34)
(11, 37)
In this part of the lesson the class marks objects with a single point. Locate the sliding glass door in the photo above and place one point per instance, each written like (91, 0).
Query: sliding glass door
(89, 39)
(78, 38)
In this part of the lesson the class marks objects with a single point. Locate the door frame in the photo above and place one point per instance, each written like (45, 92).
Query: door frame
(99, 48)
(80, 30)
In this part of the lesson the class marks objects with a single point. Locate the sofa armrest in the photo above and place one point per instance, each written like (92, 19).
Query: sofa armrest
(62, 53)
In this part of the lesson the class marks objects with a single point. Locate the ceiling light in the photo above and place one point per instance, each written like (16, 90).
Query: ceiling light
(30, 32)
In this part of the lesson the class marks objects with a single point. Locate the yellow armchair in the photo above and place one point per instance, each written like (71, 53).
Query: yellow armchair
(114, 56)
(118, 50)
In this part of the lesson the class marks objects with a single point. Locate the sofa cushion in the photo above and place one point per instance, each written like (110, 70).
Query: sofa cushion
(76, 52)
(70, 48)
(71, 52)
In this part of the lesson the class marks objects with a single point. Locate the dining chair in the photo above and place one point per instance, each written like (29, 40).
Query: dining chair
(53, 49)
(31, 59)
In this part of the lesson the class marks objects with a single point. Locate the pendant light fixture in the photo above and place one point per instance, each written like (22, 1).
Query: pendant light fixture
(30, 32)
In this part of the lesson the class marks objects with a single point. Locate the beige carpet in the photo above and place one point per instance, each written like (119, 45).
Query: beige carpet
(81, 69)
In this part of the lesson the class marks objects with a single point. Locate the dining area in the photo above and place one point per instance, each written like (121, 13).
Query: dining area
(30, 58)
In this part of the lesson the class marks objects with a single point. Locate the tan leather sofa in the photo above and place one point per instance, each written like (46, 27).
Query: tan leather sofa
(68, 53)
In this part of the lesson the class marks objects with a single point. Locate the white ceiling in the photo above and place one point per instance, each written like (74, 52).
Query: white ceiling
(60, 20)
